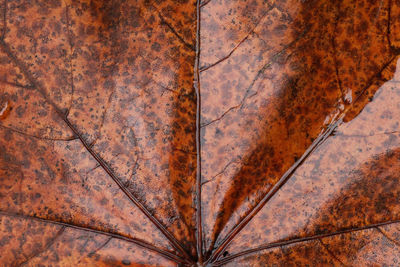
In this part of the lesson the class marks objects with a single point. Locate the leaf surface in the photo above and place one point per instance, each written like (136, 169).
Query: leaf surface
(164, 133)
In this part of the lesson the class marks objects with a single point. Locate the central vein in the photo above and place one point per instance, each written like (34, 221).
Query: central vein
(198, 141)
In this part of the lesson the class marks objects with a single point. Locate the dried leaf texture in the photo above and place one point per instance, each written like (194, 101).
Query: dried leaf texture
(114, 77)
(269, 101)
(199, 133)
(39, 243)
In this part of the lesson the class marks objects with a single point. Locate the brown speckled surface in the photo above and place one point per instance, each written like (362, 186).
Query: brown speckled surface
(214, 132)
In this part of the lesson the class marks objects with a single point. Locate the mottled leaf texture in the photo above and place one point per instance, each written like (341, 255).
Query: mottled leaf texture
(199, 133)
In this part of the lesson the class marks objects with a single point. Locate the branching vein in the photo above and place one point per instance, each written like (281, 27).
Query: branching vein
(5, 47)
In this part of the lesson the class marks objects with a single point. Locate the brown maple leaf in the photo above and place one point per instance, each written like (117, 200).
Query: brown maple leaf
(199, 133)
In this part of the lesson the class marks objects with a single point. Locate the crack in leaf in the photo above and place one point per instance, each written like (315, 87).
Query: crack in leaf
(204, 3)
(166, 89)
(218, 174)
(223, 115)
(204, 68)
(94, 168)
(172, 29)
(258, 75)
(100, 247)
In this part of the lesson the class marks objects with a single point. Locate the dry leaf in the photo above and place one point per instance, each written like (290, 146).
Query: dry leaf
(199, 133)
